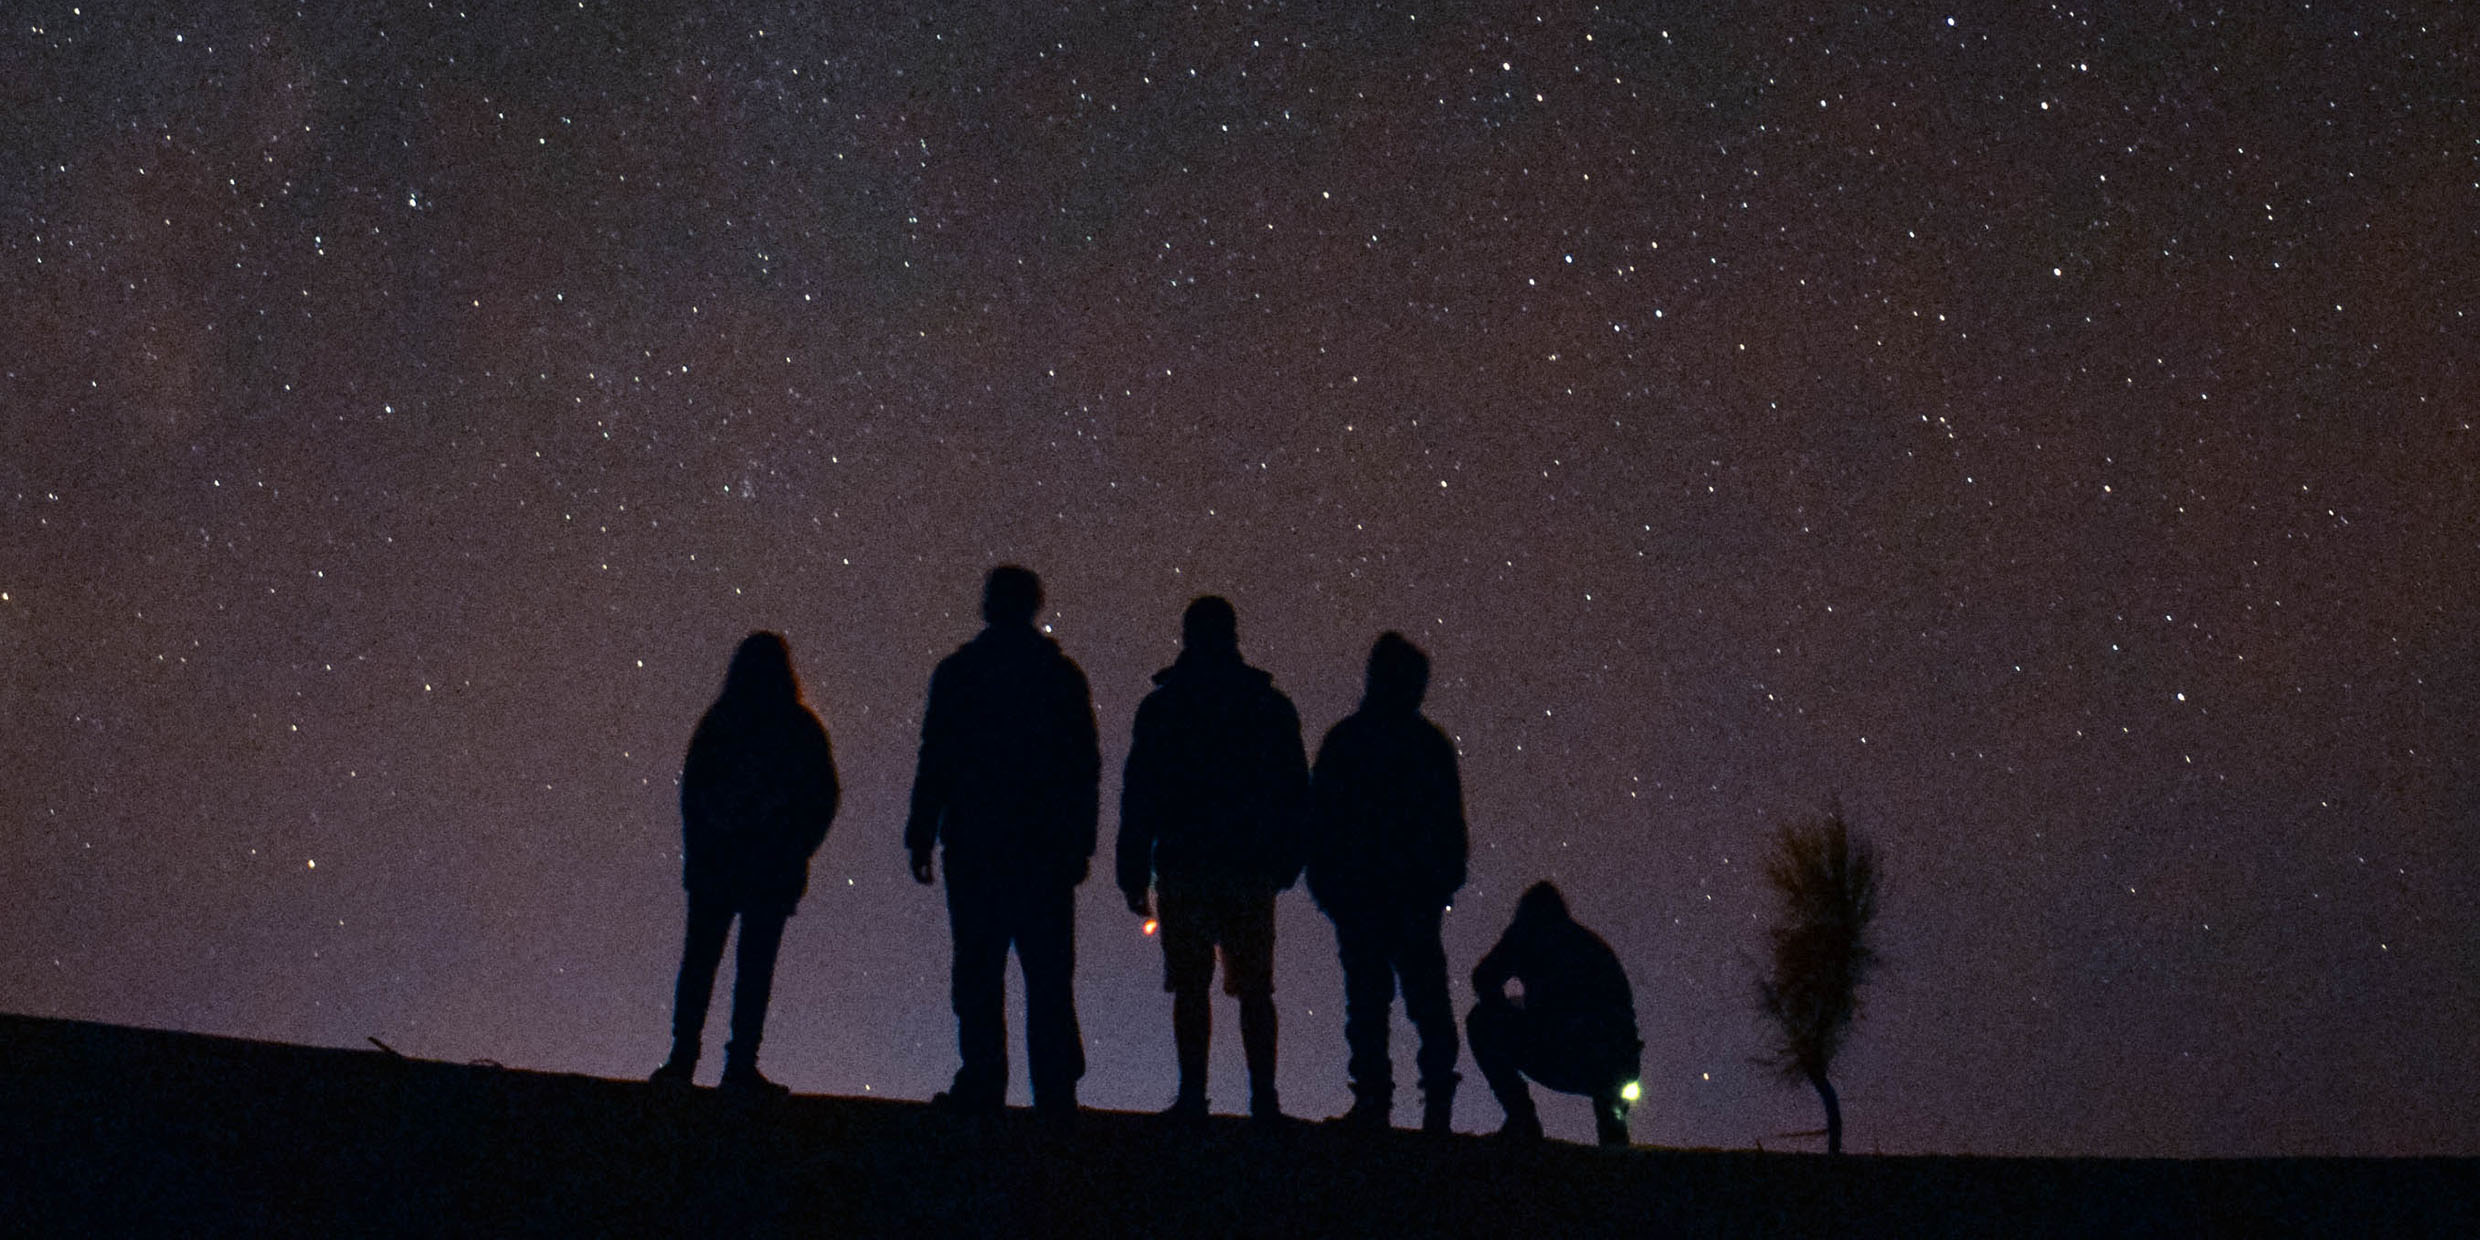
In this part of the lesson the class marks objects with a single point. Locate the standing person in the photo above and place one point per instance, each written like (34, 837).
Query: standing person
(1209, 818)
(1387, 849)
(1575, 1028)
(1008, 781)
(756, 795)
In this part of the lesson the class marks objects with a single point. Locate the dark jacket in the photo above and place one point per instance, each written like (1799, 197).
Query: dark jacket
(1571, 977)
(1010, 774)
(1216, 781)
(1387, 815)
(756, 794)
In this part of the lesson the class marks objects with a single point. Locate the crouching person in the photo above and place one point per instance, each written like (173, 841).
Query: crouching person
(1574, 1027)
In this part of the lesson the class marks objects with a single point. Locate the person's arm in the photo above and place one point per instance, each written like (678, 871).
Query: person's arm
(821, 792)
(1321, 825)
(1290, 792)
(699, 775)
(1490, 977)
(1455, 841)
(1138, 796)
(1085, 747)
(921, 826)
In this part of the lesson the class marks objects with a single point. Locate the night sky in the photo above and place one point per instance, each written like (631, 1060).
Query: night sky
(2054, 439)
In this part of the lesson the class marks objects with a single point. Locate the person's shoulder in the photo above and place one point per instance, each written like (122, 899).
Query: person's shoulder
(1270, 695)
(1583, 938)
(1352, 729)
(1061, 659)
(962, 658)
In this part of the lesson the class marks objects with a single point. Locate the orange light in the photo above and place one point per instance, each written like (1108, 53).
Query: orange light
(1152, 925)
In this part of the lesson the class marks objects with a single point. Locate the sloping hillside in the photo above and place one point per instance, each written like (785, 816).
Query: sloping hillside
(137, 1131)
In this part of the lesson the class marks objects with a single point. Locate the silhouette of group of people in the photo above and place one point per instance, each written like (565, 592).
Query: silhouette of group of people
(1220, 811)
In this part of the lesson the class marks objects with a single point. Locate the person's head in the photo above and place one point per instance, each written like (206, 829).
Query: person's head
(1011, 595)
(1398, 673)
(762, 670)
(1210, 626)
(1542, 904)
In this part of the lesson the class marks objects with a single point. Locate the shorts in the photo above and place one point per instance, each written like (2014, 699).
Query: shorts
(1196, 921)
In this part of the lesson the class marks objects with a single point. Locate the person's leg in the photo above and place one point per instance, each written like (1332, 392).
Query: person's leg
(1610, 1111)
(753, 983)
(1594, 1059)
(1045, 935)
(1187, 933)
(1421, 957)
(1248, 974)
(1368, 996)
(1496, 1030)
(1192, 1036)
(700, 952)
(977, 987)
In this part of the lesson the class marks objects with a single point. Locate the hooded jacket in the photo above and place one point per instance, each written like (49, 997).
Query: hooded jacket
(1216, 781)
(1571, 977)
(1387, 830)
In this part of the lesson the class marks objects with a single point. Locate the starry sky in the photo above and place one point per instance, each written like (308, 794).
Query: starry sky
(2049, 432)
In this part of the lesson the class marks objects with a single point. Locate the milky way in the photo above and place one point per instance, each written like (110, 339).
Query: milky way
(2052, 439)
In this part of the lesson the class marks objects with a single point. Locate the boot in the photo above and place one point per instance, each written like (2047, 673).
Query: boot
(1257, 1041)
(1192, 1033)
(1438, 1105)
(740, 1076)
(679, 1070)
(1056, 1108)
(1610, 1121)
(1523, 1122)
(955, 1101)
(1372, 1110)
(1265, 1106)
(1189, 1107)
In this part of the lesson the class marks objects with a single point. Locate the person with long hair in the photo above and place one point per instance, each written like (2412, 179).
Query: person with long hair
(756, 795)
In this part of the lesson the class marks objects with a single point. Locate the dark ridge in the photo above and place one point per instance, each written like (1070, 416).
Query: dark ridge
(114, 1130)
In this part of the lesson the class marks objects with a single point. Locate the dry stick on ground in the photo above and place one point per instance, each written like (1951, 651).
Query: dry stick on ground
(1827, 879)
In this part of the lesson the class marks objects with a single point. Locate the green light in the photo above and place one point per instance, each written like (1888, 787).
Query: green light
(1630, 1092)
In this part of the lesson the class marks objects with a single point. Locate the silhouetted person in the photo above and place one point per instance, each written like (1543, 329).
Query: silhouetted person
(756, 795)
(1387, 848)
(1574, 1028)
(1209, 816)
(1008, 781)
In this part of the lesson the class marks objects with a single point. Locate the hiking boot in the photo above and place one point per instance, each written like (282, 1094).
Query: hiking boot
(1056, 1106)
(1054, 1115)
(1367, 1114)
(676, 1072)
(1265, 1107)
(1438, 1108)
(1526, 1128)
(744, 1079)
(1187, 1108)
(957, 1102)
